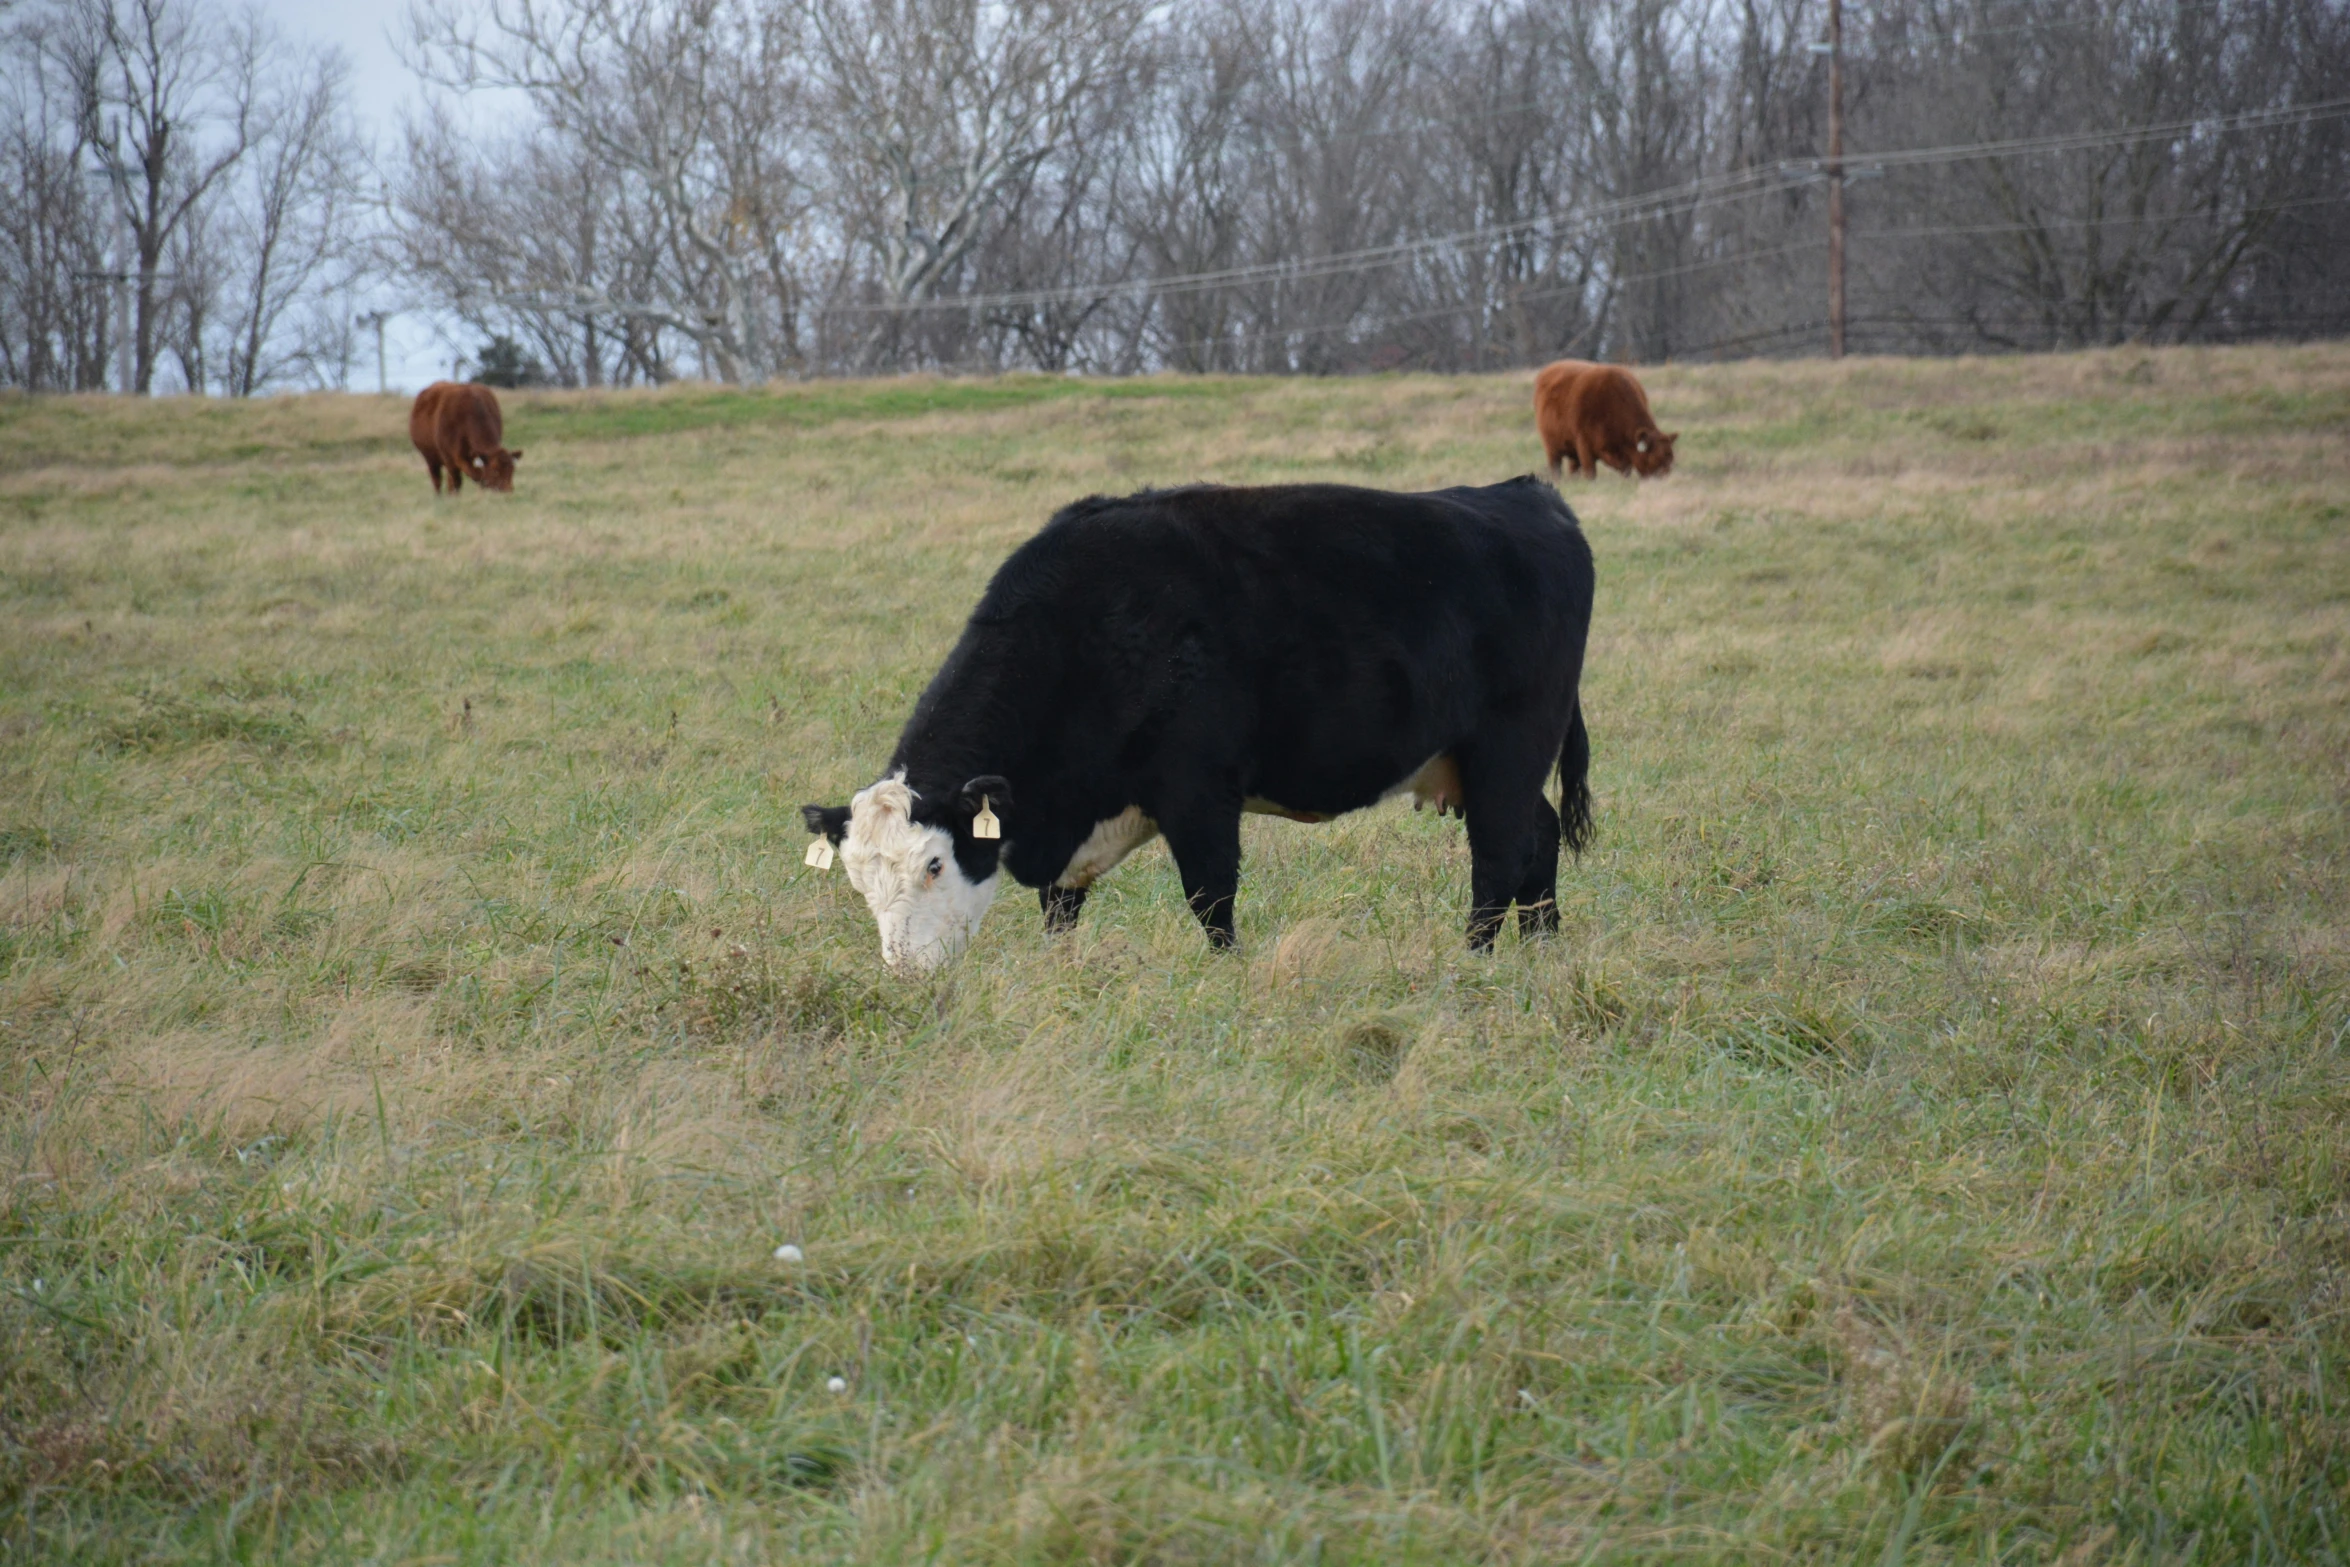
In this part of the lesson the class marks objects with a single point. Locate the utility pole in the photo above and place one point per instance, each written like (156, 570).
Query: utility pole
(125, 258)
(114, 277)
(376, 318)
(1835, 179)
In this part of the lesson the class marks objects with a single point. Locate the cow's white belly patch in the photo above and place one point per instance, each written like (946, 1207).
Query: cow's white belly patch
(1110, 841)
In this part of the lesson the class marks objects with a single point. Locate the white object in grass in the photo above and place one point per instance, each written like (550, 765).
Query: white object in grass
(837, 1385)
(787, 1252)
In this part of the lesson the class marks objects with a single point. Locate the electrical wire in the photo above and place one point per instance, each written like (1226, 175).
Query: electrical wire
(1513, 300)
(1563, 226)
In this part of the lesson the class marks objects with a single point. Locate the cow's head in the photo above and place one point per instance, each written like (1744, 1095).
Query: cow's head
(926, 878)
(1652, 452)
(494, 470)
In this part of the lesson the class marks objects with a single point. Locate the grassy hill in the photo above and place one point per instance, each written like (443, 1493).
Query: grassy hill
(1926, 1141)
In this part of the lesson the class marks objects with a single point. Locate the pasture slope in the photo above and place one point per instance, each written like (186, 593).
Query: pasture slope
(1926, 1142)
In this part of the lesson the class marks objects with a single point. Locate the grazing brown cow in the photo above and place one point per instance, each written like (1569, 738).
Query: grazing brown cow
(1598, 414)
(459, 428)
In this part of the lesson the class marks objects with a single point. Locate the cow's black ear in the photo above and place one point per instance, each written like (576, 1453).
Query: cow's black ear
(827, 821)
(994, 788)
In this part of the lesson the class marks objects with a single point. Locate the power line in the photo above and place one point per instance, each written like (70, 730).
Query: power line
(1707, 264)
(1707, 191)
(1608, 280)
(2082, 141)
(1946, 230)
(1526, 297)
(1687, 198)
(1681, 200)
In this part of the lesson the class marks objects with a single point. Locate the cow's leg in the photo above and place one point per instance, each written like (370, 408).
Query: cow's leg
(1586, 458)
(432, 465)
(1501, 782)
(1061, 906)
(1538, 890)
(1205, 841)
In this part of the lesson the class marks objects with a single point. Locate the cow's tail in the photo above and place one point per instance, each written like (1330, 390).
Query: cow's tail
(1575, 783)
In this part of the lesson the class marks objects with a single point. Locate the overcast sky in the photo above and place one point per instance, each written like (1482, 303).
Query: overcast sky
(380, 85)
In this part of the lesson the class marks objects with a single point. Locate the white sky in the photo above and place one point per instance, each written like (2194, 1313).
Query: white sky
(419, 346)
(380, 85)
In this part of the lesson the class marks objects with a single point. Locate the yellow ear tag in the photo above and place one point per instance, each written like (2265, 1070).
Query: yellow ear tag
(984, 825)
(819, 854)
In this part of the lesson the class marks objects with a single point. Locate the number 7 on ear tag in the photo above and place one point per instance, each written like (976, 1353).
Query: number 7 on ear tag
(984, 825)
(819, 854)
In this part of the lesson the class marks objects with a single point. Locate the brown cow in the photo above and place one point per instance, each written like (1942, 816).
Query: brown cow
(1598, 414)
(459, 428)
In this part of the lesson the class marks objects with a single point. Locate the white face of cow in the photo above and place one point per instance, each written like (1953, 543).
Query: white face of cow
(927, 907)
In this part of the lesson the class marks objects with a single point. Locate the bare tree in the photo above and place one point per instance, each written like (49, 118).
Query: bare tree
(1054, 261)
(691, 103)
(168, 97)
(55, 316)
(2118, 170)
(1186, 194)
(198, 267)
(1522, 294)
(294, 211)
(936, 114)
(531, 236)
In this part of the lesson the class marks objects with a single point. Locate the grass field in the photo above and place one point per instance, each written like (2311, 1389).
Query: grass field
(1929, 1139)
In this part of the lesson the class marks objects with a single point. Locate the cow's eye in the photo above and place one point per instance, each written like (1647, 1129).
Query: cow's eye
(935, 867)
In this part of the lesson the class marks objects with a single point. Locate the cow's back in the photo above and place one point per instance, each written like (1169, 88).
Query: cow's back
(1555, 383)
(1253, 561)
(1323, 641)
(456, 420)
(1611, 399)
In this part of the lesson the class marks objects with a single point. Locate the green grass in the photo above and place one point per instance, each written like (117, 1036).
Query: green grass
(1924, 1143)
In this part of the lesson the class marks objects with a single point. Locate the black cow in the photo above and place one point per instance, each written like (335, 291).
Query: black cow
(1164, 662)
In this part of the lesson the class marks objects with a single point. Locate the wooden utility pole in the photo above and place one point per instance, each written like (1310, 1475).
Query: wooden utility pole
(1835, 179)
(112, 184)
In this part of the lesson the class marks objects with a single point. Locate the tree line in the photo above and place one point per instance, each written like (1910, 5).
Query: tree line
(742, 189)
